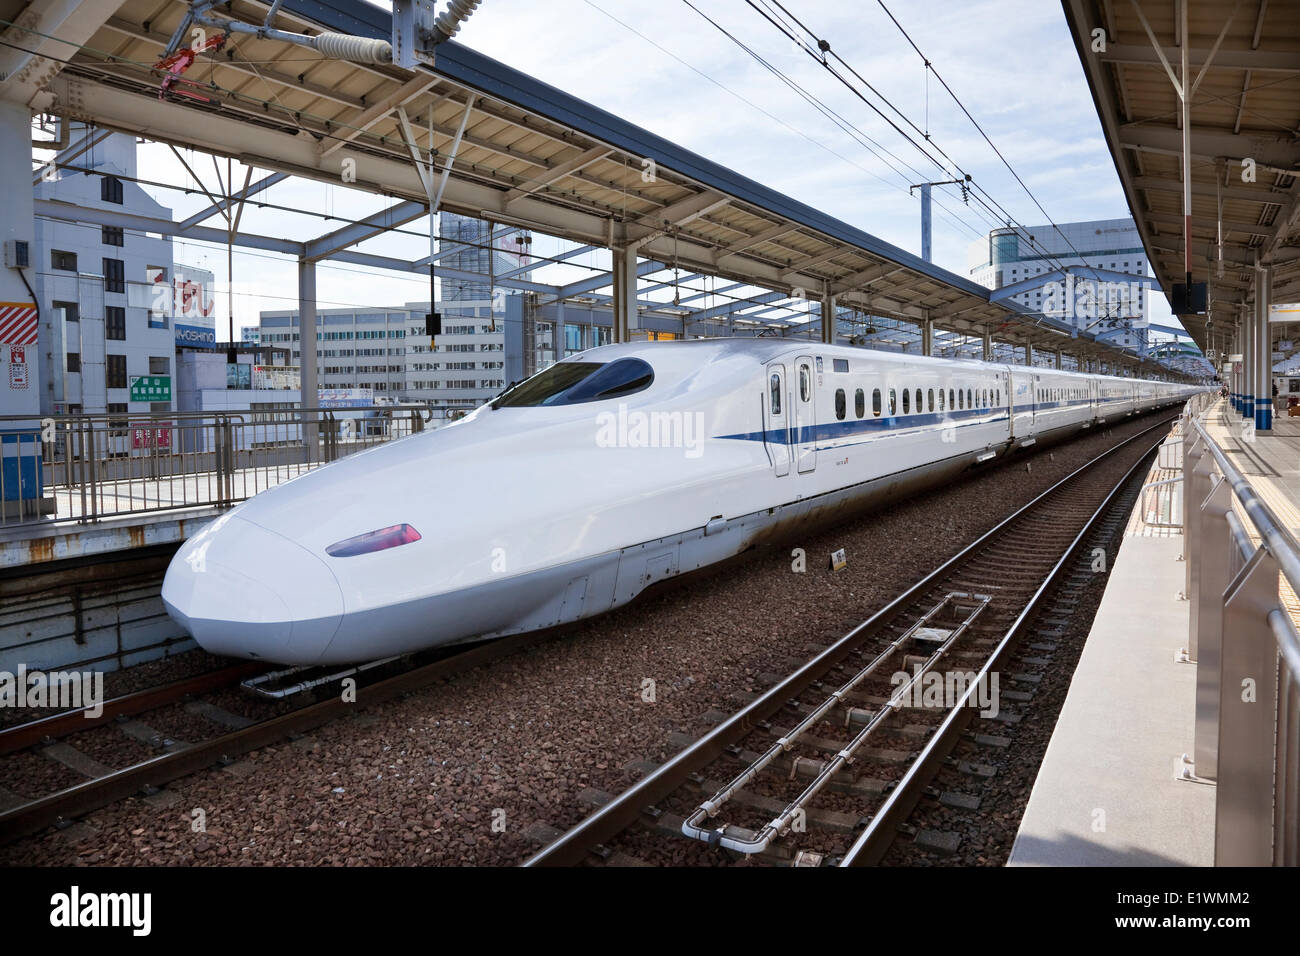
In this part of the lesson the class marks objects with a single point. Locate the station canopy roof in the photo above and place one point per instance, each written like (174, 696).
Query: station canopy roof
(1244, 61)
(530, 155)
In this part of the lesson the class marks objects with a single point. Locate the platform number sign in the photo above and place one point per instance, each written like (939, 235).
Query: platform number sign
(151, 388)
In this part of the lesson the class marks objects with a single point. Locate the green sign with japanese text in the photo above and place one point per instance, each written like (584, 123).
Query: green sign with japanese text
(151, 388)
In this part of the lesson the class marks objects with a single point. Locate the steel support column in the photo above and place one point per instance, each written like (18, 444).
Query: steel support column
(988, 347)
(1264, 346)
(1248, 329)
(557, 333)
(927, 336)
(307, 372)
(626, 319)
(828, 319)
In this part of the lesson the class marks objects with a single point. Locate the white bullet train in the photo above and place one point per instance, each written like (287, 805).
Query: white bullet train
(598, 477)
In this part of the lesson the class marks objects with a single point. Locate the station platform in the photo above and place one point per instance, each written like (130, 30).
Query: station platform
(27, 546)
(1270, 462)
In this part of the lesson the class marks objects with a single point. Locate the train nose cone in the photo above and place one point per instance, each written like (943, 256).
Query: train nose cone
(243, 591)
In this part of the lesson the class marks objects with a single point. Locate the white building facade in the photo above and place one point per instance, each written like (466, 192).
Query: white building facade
(102, 322)
(114, 305)
(1116, 309)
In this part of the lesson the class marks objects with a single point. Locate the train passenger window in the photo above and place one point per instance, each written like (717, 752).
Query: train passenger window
(952, 403)
(840, 404)
(940, 399)
(776, 394)
(875, 402)
(571, 383)
(893, 402)
(920, 407)
(907, 401)
(860, 403)
(929, 396)
(961, 399)
(969, 404)
(805, 383)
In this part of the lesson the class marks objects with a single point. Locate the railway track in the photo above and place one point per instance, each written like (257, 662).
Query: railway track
(826, 766)
(57, 735)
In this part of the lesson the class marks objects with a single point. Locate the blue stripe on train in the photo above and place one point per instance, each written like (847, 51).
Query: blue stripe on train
(844, 429)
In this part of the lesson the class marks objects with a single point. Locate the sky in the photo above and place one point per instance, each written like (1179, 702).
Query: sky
(665, 67)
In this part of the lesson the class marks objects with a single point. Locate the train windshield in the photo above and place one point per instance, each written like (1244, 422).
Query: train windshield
(571, 383)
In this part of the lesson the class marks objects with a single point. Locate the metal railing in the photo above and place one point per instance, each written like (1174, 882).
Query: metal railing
(92, 467)
(1247, 653)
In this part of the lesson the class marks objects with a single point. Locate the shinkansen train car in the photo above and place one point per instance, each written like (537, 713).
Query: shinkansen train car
(641, 462)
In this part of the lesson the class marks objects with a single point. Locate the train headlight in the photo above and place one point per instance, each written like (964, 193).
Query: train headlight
(380, 540)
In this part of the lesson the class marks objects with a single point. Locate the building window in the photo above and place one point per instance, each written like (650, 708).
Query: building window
(114, 322)
(74, 361)
(63, 261)
(70, 311)
(112, 236)
(110, 189)
(160, 365)
(117, 426)
(114, 275)
(115, 371)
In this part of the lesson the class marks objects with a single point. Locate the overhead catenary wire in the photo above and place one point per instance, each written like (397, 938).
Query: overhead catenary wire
(872, 146)
(823, 52)
(772, 116)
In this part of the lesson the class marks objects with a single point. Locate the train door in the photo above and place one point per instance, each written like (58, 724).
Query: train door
(1022, 404)
(1009, 403)
(805, 414)
(776, 430)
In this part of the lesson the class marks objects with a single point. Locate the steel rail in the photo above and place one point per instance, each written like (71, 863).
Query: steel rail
(571, 847)
(22, 736)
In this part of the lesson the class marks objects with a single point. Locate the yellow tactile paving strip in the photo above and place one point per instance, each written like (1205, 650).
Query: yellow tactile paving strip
(1271, 463)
